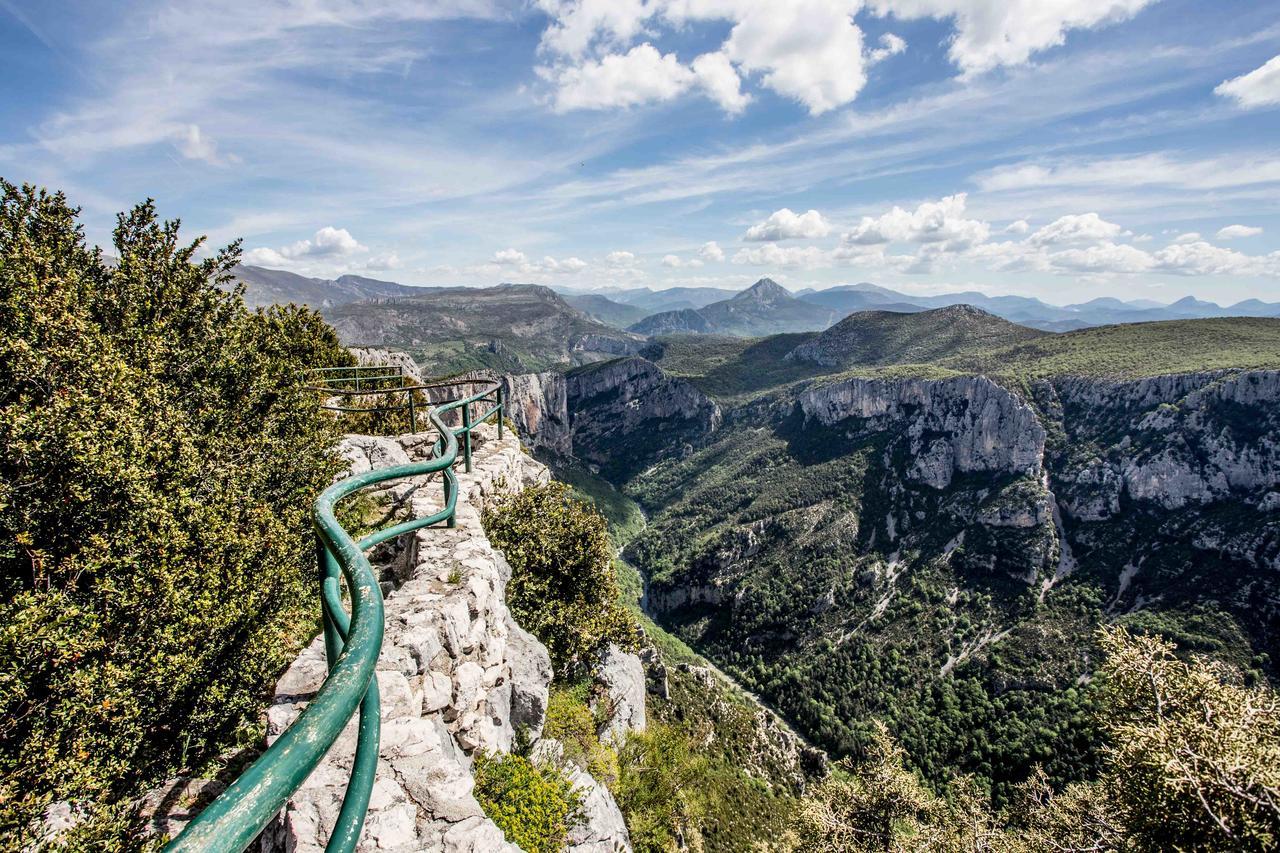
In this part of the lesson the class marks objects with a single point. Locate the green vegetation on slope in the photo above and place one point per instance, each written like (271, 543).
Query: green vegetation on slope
(562, 588)
(1192, 763)
(514, 328)
(535, 806)
(1134, 350)
(876, 338)
(158, 466)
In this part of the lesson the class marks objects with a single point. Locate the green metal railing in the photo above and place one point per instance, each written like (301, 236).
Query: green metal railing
(352, 643)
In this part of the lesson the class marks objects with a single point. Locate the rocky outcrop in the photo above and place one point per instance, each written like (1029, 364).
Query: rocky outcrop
(622, 676)
(456, 676)
(538, 405)
(965, 424)
(626, 414)
(1168, 441)
(620, 415)
(367, 356)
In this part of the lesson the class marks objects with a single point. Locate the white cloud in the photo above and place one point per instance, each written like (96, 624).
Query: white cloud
(939, 221)
(711, 252)
(1144, 170)
(1019, 227)
(620, 259)
(1104, 257)
(1259, 88)
(1236, 232)
(792, 257)
(1076, 228)
(989, 34)
(808, 50)
(514, 259)
(785, 224)
(193, 144)
(890, 45)
(509, 258)
(1201, 258)
(327, 243)
(675, 262)
(641, 75)
(1188, 237)
(720, 80)
(389, 261)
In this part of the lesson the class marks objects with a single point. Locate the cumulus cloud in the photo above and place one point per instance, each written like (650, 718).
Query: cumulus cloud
(620, 259)
(514, 259)
(389, 261)
(808, 50)
(1201, 258)
(675, 262)
(641, 75)
(719, 79)
(990, 34)
(1105, 257)
(1076, 228)
(785, 224)
(711, 252)
(1237, 232)
(890, 45)
(328, 242)
(1019, 227)
(941, 222)
(1259, 88)
(789, 257)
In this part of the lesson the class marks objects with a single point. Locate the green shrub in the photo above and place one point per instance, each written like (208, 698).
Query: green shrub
(563, 587)
(534, 806)
(158, 459)
(570, 720)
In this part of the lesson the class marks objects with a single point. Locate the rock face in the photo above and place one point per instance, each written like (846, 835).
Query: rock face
(538, 405)
(456, 676)
(1173, 441)
(368, 356)
(620, 415)
(622, 675)
(965, 424)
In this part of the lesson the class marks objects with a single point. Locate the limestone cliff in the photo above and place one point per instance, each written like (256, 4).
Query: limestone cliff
(619, 416)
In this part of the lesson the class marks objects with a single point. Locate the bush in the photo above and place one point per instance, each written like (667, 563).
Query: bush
(570, 720)
(563, 587)
(534, 806)
(158, 459)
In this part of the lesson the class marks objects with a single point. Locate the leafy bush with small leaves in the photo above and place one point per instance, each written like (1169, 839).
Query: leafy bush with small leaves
(158, 459)
(563, 586)
(534, 806)
(1195, 756)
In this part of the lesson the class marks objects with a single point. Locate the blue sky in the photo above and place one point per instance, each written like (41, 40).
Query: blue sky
(1064, 149)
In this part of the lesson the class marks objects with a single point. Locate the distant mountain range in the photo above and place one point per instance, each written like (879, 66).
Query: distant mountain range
(763, 309)
(864, 296)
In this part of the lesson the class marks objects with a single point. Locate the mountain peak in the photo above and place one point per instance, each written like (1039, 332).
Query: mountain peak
(765, 290)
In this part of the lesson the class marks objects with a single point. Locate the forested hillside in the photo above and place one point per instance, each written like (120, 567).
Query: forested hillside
(158, 462)
(870, 540)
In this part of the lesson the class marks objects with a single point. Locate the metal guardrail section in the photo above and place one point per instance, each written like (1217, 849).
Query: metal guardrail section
(352, 643)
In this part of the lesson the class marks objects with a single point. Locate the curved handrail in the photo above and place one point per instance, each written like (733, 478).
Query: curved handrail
(352, 645)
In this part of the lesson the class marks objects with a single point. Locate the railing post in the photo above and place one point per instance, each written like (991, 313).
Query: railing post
(413, 413)
(501, 411)
(328, 568)
(466, 435)
(452, 520)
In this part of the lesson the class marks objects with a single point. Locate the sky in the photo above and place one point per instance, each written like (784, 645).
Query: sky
(1063, 149)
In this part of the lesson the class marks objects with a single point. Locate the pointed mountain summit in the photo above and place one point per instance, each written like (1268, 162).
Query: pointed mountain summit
(766, 291)
(766, 308)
